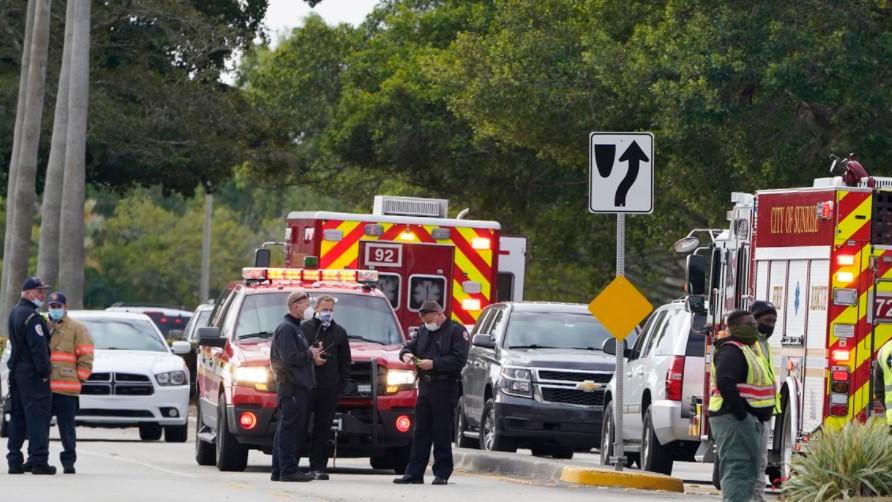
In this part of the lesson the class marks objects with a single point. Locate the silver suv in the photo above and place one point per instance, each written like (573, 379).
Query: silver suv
(663, 371)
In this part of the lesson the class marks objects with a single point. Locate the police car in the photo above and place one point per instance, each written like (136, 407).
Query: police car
(137, 380)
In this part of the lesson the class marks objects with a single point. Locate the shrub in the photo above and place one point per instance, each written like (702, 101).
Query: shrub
(855, 461)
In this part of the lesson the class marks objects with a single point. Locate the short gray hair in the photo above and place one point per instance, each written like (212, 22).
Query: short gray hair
(325, 298)
(296, 296)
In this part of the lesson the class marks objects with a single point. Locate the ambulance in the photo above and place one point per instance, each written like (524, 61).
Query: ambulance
(823, 256)
(419, 252)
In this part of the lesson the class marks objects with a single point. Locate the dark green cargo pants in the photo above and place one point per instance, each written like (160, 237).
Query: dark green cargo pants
(739, 449)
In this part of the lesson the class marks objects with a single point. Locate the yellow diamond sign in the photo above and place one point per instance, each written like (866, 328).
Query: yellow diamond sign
(620, 307)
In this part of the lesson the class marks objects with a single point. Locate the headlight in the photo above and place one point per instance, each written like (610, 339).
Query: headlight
(397, 380)
(171, 378)
(251, 374)
(516, 382)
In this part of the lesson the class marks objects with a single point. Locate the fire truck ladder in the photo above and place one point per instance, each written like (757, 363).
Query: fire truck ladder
(875, 321)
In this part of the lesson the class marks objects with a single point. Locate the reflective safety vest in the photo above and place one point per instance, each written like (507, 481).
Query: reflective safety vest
(763, 350)
(883, 357)
(759, 390)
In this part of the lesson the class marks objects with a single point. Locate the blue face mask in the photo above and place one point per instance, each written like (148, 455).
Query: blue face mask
(326, 317)
(37, 303)
(57, 314)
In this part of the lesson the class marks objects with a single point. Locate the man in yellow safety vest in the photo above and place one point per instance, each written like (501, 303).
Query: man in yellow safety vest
(741, 401)
(883, 380)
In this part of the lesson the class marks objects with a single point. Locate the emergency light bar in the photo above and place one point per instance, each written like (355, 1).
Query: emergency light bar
(307, 275)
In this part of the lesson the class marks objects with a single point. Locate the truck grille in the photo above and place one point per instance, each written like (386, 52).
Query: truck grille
(572, 396)
(574, 376)
(89, 412)
(118, 384)
(361, 378)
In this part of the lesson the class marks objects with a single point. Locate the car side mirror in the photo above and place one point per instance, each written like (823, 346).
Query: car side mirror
(262, 257)
(181, 348)
(210, 337)
(609, 346)
(695, 272)
(485, 341)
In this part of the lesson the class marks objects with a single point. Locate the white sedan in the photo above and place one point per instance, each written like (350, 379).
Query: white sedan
(137, 379)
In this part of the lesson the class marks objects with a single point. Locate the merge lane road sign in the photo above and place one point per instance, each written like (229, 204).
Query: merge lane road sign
(621, 172)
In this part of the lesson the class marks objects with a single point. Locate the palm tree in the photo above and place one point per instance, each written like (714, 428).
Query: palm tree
(71, 261)
(51, 210)
(16, 261)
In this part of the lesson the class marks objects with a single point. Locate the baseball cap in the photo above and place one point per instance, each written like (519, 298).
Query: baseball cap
(57, 298)
(430, 307)
(34, 283)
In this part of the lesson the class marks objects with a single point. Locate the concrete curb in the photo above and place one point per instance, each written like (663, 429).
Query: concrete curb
(530, 468)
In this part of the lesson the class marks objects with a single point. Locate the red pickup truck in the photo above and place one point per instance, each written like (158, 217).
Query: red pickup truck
(237, 392)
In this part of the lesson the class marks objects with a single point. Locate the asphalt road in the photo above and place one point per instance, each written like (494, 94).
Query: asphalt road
(114, 465)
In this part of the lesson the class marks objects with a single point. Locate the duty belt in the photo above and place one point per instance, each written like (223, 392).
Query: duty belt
(436, 378)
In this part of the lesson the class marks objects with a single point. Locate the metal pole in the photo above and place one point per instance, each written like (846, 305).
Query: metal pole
(205, 288)
(620, 348)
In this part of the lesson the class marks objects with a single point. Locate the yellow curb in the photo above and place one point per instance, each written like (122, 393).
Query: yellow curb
(636, 479)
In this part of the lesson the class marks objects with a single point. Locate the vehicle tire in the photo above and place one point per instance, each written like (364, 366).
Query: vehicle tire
(608, 430)
(399, 458)
(562, 452)
(176, 433)
(381, 462)
(654, 456)
(205, 453)
(540, 450)
(786, 444)
(4, 424)
(150, 432)
(461, 427)
(491, 439)
(716, 474)
(231, 455)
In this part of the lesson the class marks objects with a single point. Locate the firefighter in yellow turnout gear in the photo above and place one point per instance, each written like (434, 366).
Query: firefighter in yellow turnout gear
(742, 400)
(71, 357)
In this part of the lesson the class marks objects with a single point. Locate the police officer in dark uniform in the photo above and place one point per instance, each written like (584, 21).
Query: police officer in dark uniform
(29, 379)
(292, 360)
(439, 351)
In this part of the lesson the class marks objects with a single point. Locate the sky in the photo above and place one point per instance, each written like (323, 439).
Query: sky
(285, 14)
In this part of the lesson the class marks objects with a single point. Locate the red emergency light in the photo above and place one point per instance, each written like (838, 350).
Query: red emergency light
(308, 275)
(403, 423)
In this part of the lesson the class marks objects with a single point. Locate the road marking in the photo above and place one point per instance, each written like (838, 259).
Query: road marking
(238, 486)
(134, 462)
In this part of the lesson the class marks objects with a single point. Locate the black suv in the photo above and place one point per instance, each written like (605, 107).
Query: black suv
(535, 378)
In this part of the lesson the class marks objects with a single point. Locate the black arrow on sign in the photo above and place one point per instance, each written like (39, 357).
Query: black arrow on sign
(633, 155)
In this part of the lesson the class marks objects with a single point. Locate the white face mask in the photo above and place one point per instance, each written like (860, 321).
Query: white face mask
(431, 326)
(308, 314)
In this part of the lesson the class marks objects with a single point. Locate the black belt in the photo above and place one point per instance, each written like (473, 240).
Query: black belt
(437, 378)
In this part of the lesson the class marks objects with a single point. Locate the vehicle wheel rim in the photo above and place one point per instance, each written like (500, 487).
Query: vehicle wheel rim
(645, 447)
(607, 440)
(490, 430)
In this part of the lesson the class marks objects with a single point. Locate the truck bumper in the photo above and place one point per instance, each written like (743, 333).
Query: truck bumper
(569, 425)
(669, 425)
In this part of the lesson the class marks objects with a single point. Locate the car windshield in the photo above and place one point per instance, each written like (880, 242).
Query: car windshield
(558, 330)
(125, 334)
(369, 318)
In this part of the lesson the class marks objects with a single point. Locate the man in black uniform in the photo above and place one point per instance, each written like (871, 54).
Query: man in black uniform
(29, 382)
(291, 359)
(439, 351)
(332, 376)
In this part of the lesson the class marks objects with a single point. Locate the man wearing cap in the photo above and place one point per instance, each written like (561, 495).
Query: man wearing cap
(29, 375)
(439, 352)
(71, 355)
(292, 361)
(765, 315)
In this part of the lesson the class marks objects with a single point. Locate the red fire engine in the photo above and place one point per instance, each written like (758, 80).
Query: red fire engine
(823, 256)
(419, 253)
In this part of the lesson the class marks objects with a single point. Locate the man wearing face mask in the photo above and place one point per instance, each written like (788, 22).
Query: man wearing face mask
(72, 360)
(332, 377)
(439, 351)
(29, 379)
(291, 359)
(766, 316)
(741, 401)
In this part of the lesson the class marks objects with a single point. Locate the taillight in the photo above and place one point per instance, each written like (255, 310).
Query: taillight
(675, 379)
(403, 423)
(839, 391)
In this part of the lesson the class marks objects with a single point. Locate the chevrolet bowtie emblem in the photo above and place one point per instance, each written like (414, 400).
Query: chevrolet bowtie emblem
(588, 386)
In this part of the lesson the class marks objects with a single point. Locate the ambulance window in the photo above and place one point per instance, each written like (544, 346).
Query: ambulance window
(389, 284)
(424, 288)
(505, 291)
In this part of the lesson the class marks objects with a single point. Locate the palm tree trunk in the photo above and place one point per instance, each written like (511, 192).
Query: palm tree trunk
(71, 261)
(14, 159)
(16, 264)
(51, 210)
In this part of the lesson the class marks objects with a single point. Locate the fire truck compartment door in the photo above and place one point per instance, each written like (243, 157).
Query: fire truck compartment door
(410, 274)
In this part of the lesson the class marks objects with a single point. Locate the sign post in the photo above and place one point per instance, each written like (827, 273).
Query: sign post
(614, 192)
